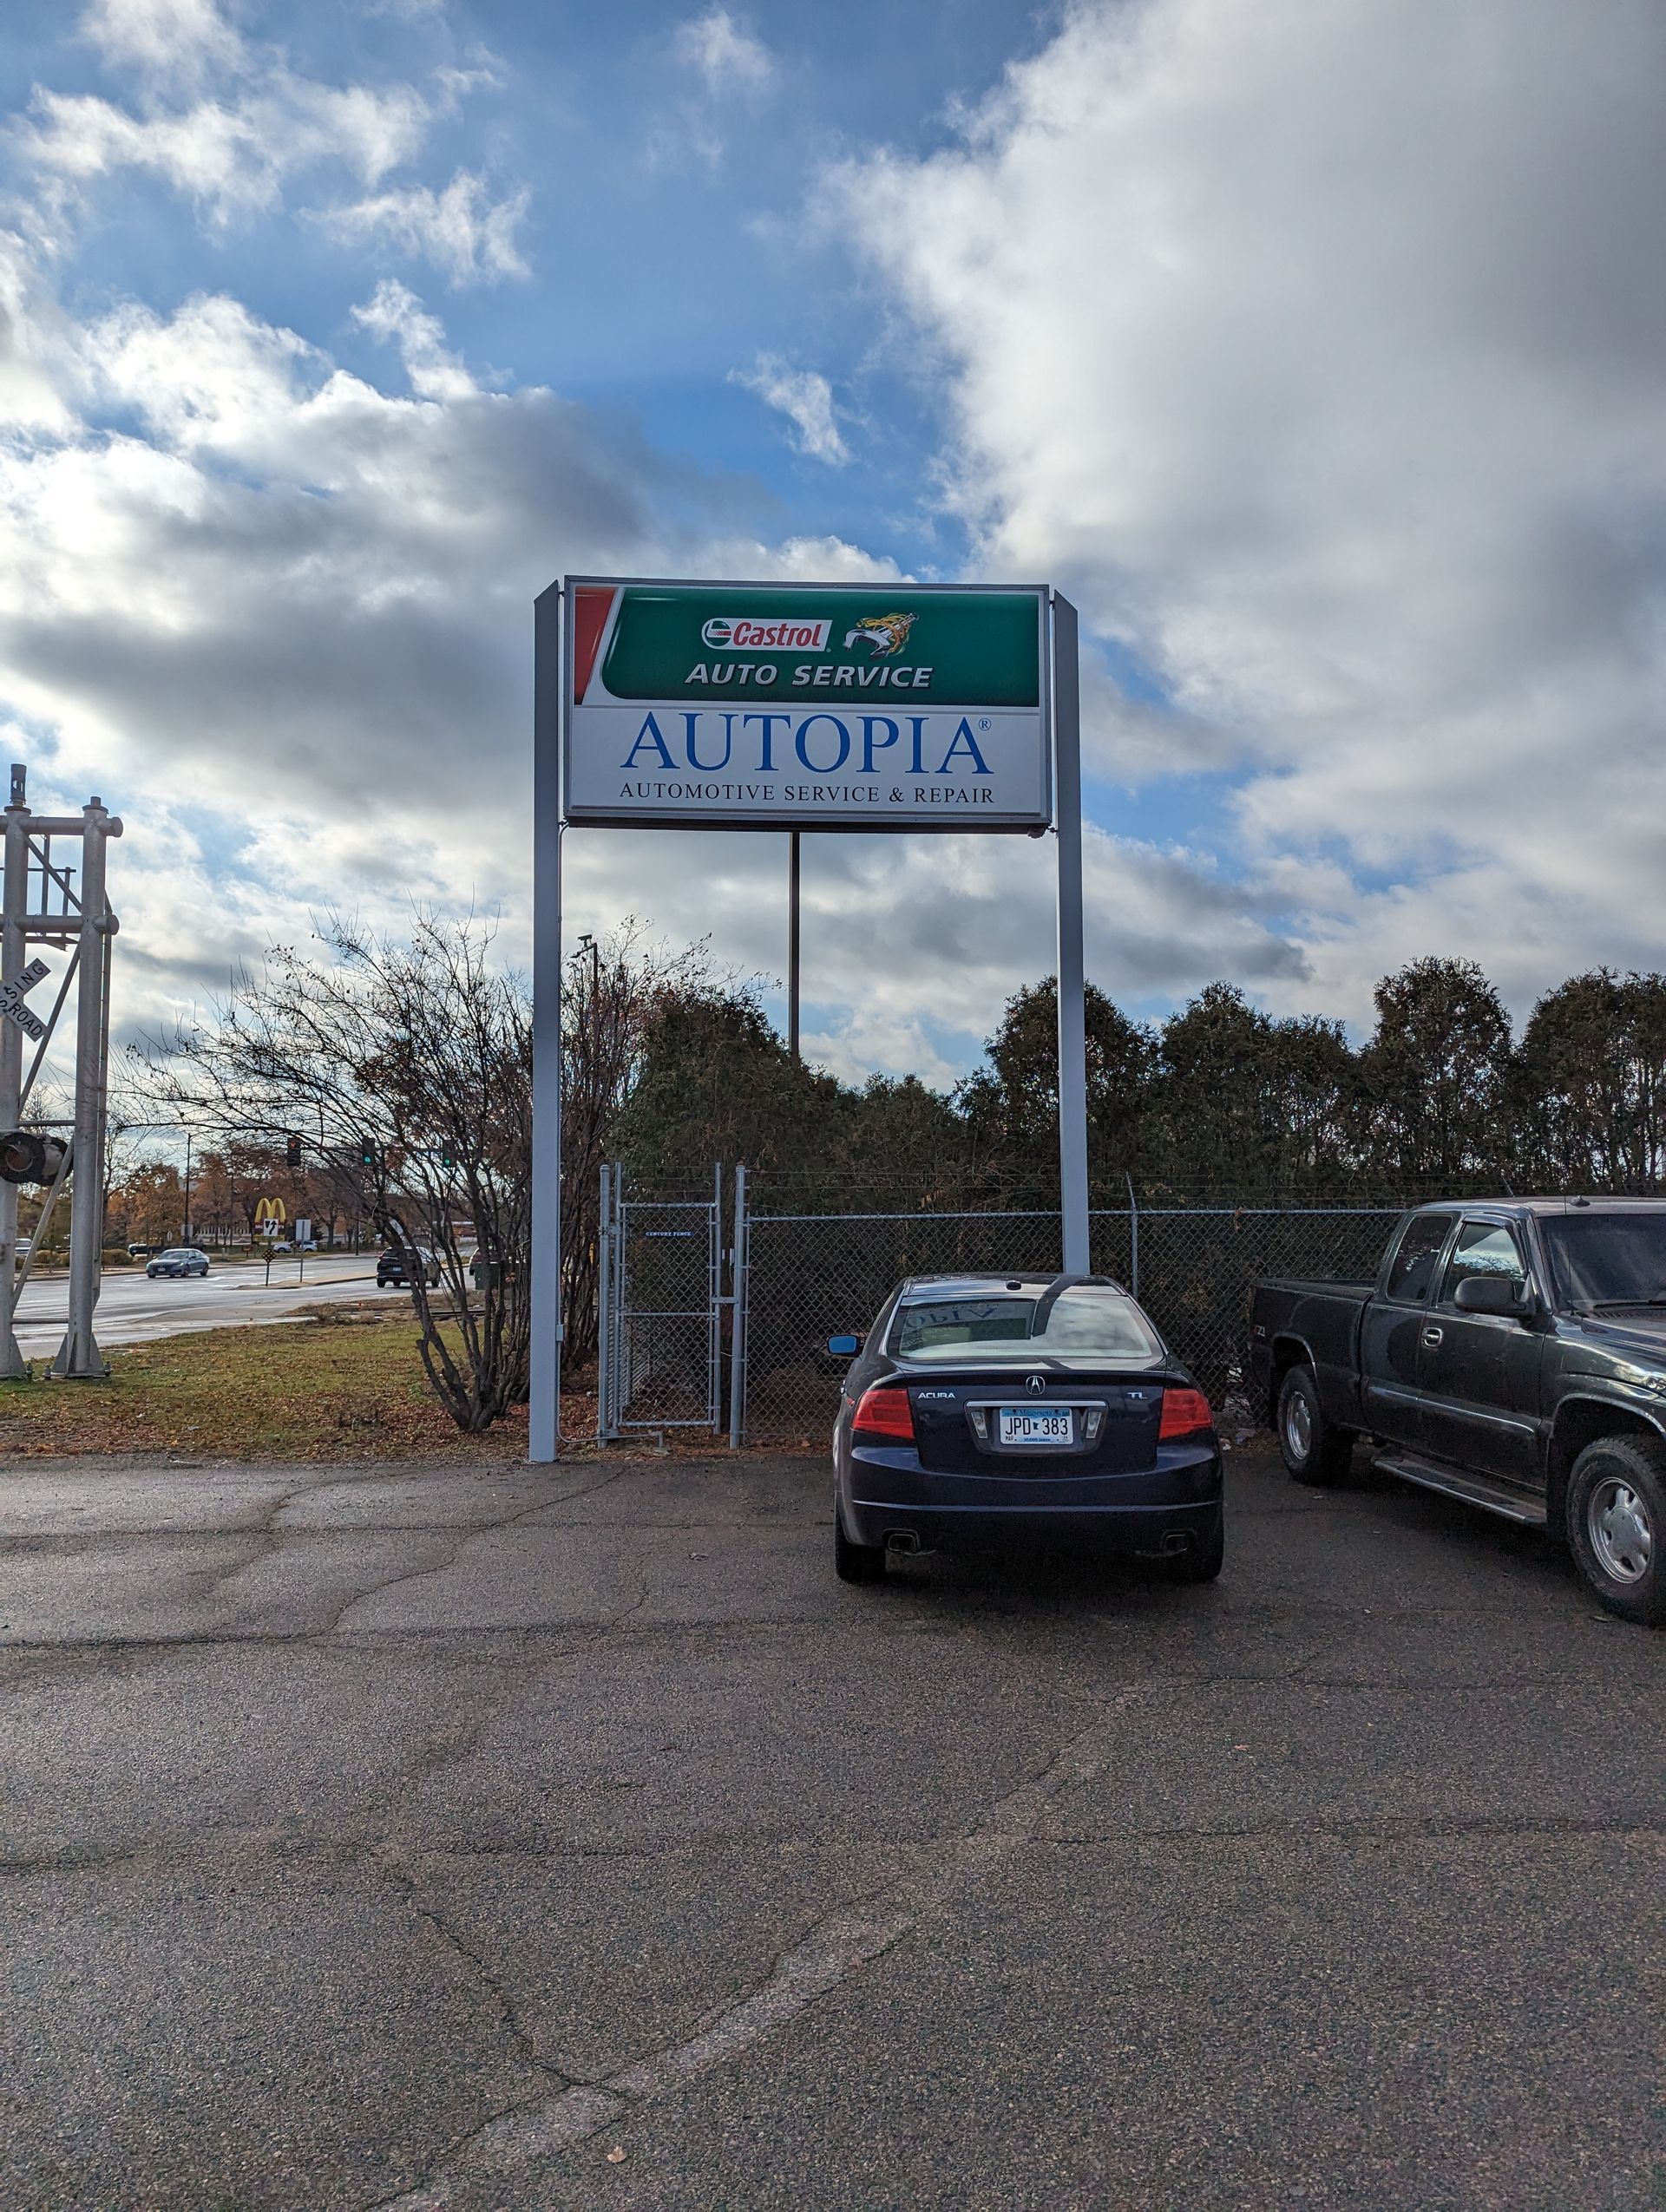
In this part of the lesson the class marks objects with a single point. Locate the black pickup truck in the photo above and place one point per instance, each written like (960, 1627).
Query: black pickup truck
(1510, 1353)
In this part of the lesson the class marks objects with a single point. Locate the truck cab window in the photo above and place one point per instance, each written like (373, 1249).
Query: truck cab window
(1483, 1248)
(1412, 1276)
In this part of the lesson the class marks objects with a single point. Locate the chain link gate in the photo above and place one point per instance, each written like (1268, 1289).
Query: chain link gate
(659, 1354)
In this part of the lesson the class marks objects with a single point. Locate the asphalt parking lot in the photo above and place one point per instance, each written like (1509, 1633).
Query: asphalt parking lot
(573, 1839)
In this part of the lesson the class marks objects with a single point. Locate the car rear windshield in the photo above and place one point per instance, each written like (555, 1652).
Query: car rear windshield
(1085, 1324)
(1607, 1259)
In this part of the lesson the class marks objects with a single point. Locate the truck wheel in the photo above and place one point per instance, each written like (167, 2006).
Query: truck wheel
(855, 1562)
(1314, 1451)
(1617, 1525)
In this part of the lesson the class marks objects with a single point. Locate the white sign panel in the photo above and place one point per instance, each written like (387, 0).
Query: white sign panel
(804, 706)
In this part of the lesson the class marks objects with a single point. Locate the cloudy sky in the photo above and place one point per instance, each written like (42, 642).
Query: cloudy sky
(1316, 348)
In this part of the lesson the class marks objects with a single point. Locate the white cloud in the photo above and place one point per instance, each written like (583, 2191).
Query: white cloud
(1315, 350)
(461, 230)
(231, 157)
(170, 36)
(280, 617)
(725, 58)
(728, 66)
(805, 398)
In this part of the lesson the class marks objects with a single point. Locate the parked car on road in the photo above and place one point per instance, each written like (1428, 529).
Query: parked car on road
(184, 1259)
(990, 1412)
(390, 1267)
(1510, 1353)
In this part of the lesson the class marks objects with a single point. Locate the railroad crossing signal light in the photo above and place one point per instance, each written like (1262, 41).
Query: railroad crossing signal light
(293, 1149)
(26, 1156)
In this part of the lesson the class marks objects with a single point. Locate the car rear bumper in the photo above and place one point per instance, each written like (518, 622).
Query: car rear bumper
(886, 1494)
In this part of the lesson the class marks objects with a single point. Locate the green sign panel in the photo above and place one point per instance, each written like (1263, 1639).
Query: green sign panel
(886, 706)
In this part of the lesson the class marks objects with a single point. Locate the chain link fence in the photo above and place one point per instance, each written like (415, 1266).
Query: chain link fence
(684, 1279)
(810, 1276)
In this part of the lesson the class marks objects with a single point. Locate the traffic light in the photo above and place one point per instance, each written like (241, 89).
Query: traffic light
(293, 1150)
(28, 1158)
(369, 1155)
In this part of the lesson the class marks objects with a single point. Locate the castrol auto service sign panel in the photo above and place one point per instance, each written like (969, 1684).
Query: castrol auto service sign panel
(804, 706)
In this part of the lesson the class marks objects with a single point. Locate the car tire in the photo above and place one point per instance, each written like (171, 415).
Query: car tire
(1617, 1525)
(1314, 1449)
(1205, 1559)
(855, 1562)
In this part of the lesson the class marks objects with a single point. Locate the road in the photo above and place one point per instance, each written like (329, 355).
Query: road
(556, 1839)
(133, 1308)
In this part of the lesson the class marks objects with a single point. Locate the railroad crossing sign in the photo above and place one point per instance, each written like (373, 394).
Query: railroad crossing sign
(12, 999)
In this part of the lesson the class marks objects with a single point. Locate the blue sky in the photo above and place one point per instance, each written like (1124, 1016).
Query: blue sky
(1304, 351)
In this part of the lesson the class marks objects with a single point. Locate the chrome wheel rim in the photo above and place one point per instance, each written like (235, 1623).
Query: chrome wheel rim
(1621, 1533)
(1298, 1425)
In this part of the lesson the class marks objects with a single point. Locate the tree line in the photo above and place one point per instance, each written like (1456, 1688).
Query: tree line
(404, 1070)
(1221, 1098)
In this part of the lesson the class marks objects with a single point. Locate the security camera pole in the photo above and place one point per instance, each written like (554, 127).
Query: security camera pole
(66, 917)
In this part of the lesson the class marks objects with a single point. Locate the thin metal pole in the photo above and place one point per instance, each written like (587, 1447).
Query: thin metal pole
(604, 1305)
(14, 906)
(793, 879)
(544, 1411)
(1073, 1010)
(714, 1300)
(79, 1358)
(1133, 1236)
(737, 1317)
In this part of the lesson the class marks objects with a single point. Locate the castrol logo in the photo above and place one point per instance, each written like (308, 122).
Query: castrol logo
(740, 634)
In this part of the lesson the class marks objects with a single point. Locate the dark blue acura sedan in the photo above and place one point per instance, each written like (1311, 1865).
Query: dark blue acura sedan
(986, 1411)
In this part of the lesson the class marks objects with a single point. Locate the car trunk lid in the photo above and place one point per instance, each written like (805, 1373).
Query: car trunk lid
(1115, 1424)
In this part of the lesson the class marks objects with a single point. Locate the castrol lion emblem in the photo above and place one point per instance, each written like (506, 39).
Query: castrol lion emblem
(886, 634)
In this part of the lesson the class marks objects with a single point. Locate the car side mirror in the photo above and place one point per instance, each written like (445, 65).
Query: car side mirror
(1493, 1294)
(844, 1347)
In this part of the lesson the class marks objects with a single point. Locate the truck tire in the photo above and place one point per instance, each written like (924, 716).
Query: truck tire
(1314, 1449)
(1617, 1525)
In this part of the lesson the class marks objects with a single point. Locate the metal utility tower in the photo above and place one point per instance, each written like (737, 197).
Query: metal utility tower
(75, 917)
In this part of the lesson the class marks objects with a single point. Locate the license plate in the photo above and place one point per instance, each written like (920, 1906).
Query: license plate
(1021, 1424)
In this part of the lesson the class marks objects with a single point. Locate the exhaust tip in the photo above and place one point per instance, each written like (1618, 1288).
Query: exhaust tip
(902, 1543)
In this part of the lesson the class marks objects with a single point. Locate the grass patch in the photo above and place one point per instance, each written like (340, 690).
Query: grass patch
(290, 1391)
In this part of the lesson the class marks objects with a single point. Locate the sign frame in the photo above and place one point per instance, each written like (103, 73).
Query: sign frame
(850, 821)
(1060, 706)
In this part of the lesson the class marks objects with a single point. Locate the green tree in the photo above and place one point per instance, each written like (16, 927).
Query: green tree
(1011, 1105)
(1436, 1084)
(715, 1082)
(1590, 1083)
(1250, 1104)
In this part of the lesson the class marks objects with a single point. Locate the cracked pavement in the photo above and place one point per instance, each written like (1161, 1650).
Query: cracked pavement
(565, 1838)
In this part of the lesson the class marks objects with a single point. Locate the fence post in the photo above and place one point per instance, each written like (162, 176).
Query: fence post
(604, 1301)
(714, 1301)
(738, 1319)
(1133, 1236)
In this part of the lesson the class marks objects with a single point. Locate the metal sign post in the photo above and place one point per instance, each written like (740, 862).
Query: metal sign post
(544, 1411)
(681, 705)
(1072, 989)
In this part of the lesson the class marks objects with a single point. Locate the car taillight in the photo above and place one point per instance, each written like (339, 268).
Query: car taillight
(885, 1411)
(1185, 1413)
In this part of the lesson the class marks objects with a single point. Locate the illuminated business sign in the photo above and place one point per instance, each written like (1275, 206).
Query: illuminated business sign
(788, 706)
